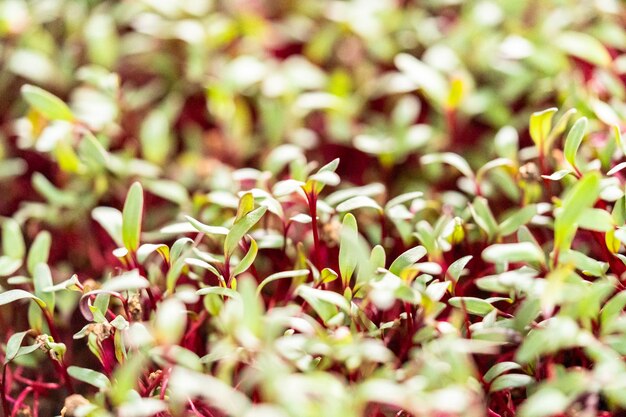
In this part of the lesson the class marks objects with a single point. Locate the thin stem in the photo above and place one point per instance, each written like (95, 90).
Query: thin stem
(5, 403)
(38, 385)
(60, 365)
(20, 400)
(165, 379)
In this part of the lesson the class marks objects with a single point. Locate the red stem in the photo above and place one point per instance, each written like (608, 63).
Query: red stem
(60, 365)
(20, 399)
(5, 404)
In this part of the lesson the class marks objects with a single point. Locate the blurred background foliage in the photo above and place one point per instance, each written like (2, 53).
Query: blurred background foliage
(189, 86)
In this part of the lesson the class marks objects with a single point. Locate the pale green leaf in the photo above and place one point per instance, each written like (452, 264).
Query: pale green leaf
(132, 217)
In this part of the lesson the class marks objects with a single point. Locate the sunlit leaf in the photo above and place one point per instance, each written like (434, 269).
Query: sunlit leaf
(132, 217)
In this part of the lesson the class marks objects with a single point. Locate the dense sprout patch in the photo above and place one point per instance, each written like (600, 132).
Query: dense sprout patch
(313, 208)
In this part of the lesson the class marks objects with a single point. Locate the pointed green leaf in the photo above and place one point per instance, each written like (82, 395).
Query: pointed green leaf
(407, 259)
(132, 216)
(473, 305)
(348, 248)
(449, 158)
(39, 250)
(12, 240)
(456, 268)
(583, 46)
(510, 381)
(247, 260)
(500, 368)
(240, 228)
(521, 217)
(513, 252)
(540, 126)
(49, 105)
(246, 205)
(206, 229)
(483, 216)
(358, 202)
(111, 220)
(14, 295)
(42, 280)
(13, 346)
(574, 139)
(581, 196)
(282, 275)
(89, 376)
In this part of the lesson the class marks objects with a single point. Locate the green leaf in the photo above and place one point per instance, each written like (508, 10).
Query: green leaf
(559, 128)
(14, 295)
(155, 137)
(560, 333)
(583, 46)
(540, 126)
(131, 217)
(500, 368)
(358, 202)
(170, 321)
(544, 403)
(403, 198)
(42, 280)
(368, 190)
(89, 376)
(617, 135)
(111, 220)
(473, 305)
(148, 248)
(281, 275)
(39, 250)
(521, 217)
(247, 260)
(616, 168)
(130, 280)
(588, 265)
(240, 228)
(456, 268)
(226, 292)
(432, 82)
(246, 205)
(54, 195)
(595, 219)
(206, 229)
(581, 196)
(321, 300)
(185, 384)
(348, 248)
(49, 105)
(558, 175)
(168, 190)
(13, 244)
(92, 152)
(513, 252)
(510, 381)
(407, 259)
(125, 378)
(612, 309)
(484, 217)
(495, 163)
(142, 407)
(574, 139)
(13, 346)
(449, 158)
(9, 265)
